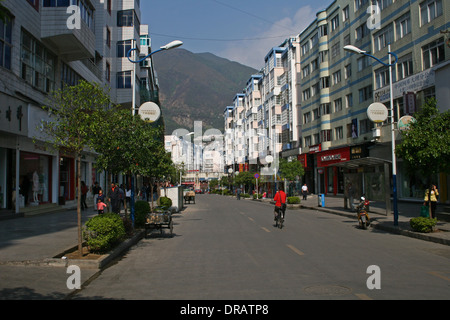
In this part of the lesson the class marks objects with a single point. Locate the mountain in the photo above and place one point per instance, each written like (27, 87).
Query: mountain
(197, 87)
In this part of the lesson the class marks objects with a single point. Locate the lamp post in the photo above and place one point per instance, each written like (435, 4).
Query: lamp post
(270, 159)
(354, 49)
(171, 45)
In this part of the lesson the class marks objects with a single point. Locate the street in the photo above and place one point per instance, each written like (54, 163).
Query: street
(223, 248)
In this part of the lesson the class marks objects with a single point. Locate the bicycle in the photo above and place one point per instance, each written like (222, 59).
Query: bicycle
(279, 219)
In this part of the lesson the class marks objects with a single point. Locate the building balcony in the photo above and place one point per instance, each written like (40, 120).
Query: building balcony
(71, 44)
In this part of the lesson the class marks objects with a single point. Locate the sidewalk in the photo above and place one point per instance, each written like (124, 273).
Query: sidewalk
(377, 213)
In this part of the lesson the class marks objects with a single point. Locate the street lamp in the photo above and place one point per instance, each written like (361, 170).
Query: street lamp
(354, 49)
(270, 159)
(171, 45)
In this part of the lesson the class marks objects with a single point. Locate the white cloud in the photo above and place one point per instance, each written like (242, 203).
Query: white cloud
(252, 52)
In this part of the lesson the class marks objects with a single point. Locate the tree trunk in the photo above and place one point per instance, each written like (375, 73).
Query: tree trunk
(80, 240)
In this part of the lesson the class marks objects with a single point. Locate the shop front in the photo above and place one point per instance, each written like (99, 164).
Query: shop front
(331, 178)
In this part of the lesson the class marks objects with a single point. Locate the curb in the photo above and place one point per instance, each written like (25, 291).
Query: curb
(388, 228)
(100, 263)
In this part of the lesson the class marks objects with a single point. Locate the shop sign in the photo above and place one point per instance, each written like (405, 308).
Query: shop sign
(149, 112)
(316, 148)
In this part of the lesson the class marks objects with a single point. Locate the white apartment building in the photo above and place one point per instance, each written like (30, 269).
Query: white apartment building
(315, 95)
(43, 48)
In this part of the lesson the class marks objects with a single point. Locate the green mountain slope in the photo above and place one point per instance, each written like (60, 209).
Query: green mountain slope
(197, 87)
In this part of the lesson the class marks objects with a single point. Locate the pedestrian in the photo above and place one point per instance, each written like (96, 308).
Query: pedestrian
(128, 196)
(100, 206)
(351, 194)
(114, 198)
(430, 199)
(304, 191)
(238, 193)
(84, 190)
(95, 190)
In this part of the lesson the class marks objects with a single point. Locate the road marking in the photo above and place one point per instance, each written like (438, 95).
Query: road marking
(265, 229)
(363, 296)
(251, 219)
(437, 274)
(295, 250)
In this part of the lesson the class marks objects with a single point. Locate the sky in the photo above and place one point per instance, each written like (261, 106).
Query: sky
(238, 30)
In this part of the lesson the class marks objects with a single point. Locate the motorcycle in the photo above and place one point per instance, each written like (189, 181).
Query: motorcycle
(363, 217)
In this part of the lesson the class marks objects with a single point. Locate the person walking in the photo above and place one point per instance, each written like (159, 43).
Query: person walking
(430, 199)
(84, 190)
(114, 198)
(95, 191)
(351, 194)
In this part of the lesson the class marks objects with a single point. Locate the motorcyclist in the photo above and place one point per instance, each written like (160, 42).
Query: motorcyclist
(363, 206)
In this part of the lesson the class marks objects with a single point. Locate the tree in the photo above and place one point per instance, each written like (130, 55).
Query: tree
(291, 170)
(425, 146)
(75, 112)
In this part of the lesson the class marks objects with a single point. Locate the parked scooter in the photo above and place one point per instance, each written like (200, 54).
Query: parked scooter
(363, 217)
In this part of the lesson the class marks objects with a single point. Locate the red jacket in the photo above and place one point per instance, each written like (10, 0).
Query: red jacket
(280, 197)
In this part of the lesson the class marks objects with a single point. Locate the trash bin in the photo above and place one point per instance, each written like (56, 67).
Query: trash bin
(321, 200)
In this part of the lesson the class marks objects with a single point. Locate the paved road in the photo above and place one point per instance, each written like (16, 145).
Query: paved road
(228, 249)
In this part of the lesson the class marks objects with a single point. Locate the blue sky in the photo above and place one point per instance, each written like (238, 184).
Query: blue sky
(242, 31)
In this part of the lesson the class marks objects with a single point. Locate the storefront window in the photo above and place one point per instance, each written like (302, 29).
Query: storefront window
(34, 179)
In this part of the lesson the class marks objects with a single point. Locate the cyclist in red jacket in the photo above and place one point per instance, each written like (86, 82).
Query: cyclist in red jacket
(280, 203)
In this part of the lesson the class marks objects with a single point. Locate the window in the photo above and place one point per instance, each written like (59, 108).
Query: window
(336, 50)
(323, 30)
(108, 37)
(359, 4)
(307, 141)
(323, 56)
(346, 13)
(314, 64)
(325, 135)
(315, 89)
(383, 38)
(362, 31)
(34, 4)
(365, 94)
(365, 126)
(382, 4)
(335, 23)
(5, 43)
(124, 80)
(348, 71)
(433, 53)
(404, 67)
(349, 100)
(339, 133)
(56, 3)
(316, 113)
(337, 77)
(122, 48)
(338, 105)
(306, 94)
(325, 109)
(305, 48)
(38, 64)
(363, 63)
(382, 77)
(430, 10)
(307, 117)
(305, 71)
(68, 76)
(324, 82)
(86, 12)
(108, 72)
(128, 18)
(403, 25)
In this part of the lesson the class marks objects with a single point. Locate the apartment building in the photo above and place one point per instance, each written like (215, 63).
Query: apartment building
(340, 144)
(44, 46)
(315, 95)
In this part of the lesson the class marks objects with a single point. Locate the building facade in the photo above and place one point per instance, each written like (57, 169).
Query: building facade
(328, 129)
(47, 44)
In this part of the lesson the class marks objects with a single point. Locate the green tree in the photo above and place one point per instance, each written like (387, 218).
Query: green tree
(425, 146)
(290, 170)
(75, 112)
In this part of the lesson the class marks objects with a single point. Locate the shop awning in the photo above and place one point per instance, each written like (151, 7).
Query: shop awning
(362, 162)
